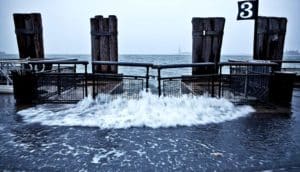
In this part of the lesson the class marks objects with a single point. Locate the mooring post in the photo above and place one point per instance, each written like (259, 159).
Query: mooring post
(104, 42)
(207, 42)
(269, 38)
(29, 33)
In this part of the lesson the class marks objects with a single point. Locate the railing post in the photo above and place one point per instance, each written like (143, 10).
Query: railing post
(213, 86)
(147, 78)
(58, 81)
(159, 81)
(93, 76)
(220, 80)
(246, 82)
(85, 76)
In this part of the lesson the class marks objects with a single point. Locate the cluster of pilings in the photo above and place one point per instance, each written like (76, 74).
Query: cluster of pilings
(207, 35)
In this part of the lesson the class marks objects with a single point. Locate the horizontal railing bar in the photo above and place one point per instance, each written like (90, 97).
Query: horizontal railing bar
(49, 59)
(119, 76)
(122, 63)
(249, 74)
(286, 61)
(183, 65)
(239, 63)
(10, 60)
(83, 62)
(264, 61)
(60, 74)
(203, 76)
(189, 76)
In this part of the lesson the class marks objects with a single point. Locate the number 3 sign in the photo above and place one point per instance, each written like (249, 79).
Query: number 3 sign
(248, 9)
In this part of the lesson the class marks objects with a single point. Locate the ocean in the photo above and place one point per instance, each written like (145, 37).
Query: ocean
(148, 134)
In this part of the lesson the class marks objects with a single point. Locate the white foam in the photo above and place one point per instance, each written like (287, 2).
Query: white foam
(150, 110)
(107, 155)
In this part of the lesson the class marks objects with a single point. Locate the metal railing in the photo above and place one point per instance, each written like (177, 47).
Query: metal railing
(116, 84)
(6, 66)
(184, 88)
(245, 80)
(294, 68)
(51, 82)
(57, 81)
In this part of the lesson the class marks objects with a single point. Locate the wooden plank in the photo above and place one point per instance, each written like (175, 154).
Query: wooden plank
(21, 40)
(217, 42)
(38, 37)
(113, 41)
(104, 43)
(197, 43)
(95, 48)
(207, 41)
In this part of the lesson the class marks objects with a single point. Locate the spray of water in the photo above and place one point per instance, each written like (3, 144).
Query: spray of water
(150, 110)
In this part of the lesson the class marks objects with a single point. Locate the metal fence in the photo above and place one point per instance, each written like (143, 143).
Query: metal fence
(6, 66)
(60, 87)
(246, 81)
(192, 84)
(59, 82)
(112, 85)
(56, 81)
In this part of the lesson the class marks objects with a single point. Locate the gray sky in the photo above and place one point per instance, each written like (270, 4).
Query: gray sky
(145, 26)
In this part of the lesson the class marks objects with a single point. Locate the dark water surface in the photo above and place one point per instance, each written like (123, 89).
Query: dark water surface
(257, 142)
(252, 143)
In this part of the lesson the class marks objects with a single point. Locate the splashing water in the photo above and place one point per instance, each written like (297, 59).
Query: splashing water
(150, 110)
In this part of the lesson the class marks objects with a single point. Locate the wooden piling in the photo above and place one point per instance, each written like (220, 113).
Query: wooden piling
(269, 38)
(104, 42)
(207, 42)
(29, 33)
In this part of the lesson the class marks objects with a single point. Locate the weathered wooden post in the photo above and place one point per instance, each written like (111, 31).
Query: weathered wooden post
(29, 32)
(104, 42)
(269, 38)
(207, 42)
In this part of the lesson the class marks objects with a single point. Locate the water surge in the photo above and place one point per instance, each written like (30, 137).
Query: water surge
(150, 111)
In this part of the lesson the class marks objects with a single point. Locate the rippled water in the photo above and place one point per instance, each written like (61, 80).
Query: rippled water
(253, 142)
(45, 137)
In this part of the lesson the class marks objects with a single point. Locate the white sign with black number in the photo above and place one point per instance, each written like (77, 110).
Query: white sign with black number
(248, 10)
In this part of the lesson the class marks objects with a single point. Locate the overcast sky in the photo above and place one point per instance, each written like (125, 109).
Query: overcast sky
(145, 26)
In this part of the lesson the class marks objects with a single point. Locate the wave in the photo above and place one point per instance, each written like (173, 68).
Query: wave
(149, 110)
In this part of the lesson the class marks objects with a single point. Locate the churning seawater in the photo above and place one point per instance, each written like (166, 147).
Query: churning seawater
(148, 134)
